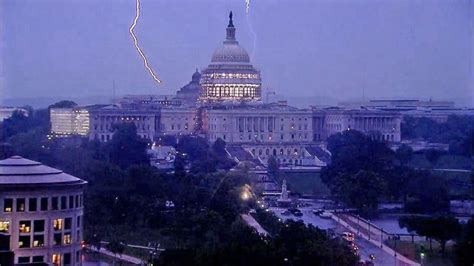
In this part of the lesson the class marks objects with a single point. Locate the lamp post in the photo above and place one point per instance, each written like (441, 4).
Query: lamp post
(368, 221)
(381, 237)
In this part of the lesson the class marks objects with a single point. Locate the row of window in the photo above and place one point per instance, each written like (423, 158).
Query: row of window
(62, 235)
(42, 204)
(25, 226)
(282, 136)
(56, 259)
(295, 152)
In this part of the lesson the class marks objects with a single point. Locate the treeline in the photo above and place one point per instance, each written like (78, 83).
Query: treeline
(457, 131)
(364, 171)
(128, 201)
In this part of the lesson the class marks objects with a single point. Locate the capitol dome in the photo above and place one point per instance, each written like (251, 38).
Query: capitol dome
(230, 52)
(230, 76)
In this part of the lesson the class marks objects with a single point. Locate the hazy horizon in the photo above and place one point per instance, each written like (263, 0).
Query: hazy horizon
(321, 50)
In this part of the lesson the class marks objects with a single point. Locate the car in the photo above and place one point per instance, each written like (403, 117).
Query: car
(298, 214)
(286, 213)
(317, 211)
(325, 215)
(293, 210)
(348, 236)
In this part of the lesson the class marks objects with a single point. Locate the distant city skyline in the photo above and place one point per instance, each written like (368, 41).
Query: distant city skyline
(321, 50)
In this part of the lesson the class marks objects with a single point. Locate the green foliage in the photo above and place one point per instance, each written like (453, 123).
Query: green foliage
(357, 159)
(457, 131)
(274, 169)
(463, 250)
(382, 173)
(432, 156)
(426, 193)
(441, 228)
(63, 104)
(126, 148)
(21, 122)
(362, 190)
(202, 158)
(404, 154)
(293, 243)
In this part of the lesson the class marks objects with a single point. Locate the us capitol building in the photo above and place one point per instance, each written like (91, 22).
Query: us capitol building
(225, 101)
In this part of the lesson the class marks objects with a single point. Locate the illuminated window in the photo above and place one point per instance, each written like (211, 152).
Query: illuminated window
(38, 241)
(24, 241)
(4, 226)
(8, 205)
(25, 227)
(20, 205)
(56, 259)
(58, 224)
(67, 239)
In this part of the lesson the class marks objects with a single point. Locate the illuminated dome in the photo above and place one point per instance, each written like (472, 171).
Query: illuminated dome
(230, 76)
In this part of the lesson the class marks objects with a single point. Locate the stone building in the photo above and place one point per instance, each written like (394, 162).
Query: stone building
(41, 213)
(102, 121)
(261, 123)
(380, 125)
(230, 76)
(189, 94)
(178, 121)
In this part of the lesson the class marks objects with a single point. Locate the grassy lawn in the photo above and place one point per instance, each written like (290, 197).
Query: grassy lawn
(413, 251)
(458, 183)
(306, 183)
(444, 162)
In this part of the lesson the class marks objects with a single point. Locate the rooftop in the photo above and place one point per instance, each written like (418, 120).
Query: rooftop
(17, 170)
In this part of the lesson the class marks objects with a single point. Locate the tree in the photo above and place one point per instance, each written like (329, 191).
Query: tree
(441, 228)
(426, 193)
(432, 156)
(6, 151)
(219, 147)
(362, 190)
(354, 154)
(116, 247)
(63, 104)
(274, 169)
(463, 249)
(404, 154)
(126, 148)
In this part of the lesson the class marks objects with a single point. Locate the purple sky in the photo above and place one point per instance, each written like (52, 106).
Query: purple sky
(305, 48)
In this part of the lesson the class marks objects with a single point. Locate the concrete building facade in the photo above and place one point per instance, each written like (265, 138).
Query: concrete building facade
(41, 213)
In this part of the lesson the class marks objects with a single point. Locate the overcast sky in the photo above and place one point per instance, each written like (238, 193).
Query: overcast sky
(307, 48)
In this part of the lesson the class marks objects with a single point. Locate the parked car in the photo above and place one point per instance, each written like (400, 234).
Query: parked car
(325, 215)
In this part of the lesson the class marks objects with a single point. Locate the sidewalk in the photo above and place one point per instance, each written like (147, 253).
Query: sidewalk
(253, 223)
(123, 257)
(402, 260)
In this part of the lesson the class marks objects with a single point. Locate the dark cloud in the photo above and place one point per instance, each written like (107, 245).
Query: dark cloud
(319, 49)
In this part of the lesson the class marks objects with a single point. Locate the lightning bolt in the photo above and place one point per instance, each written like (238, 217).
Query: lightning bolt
(254, 36)
(135, 42)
